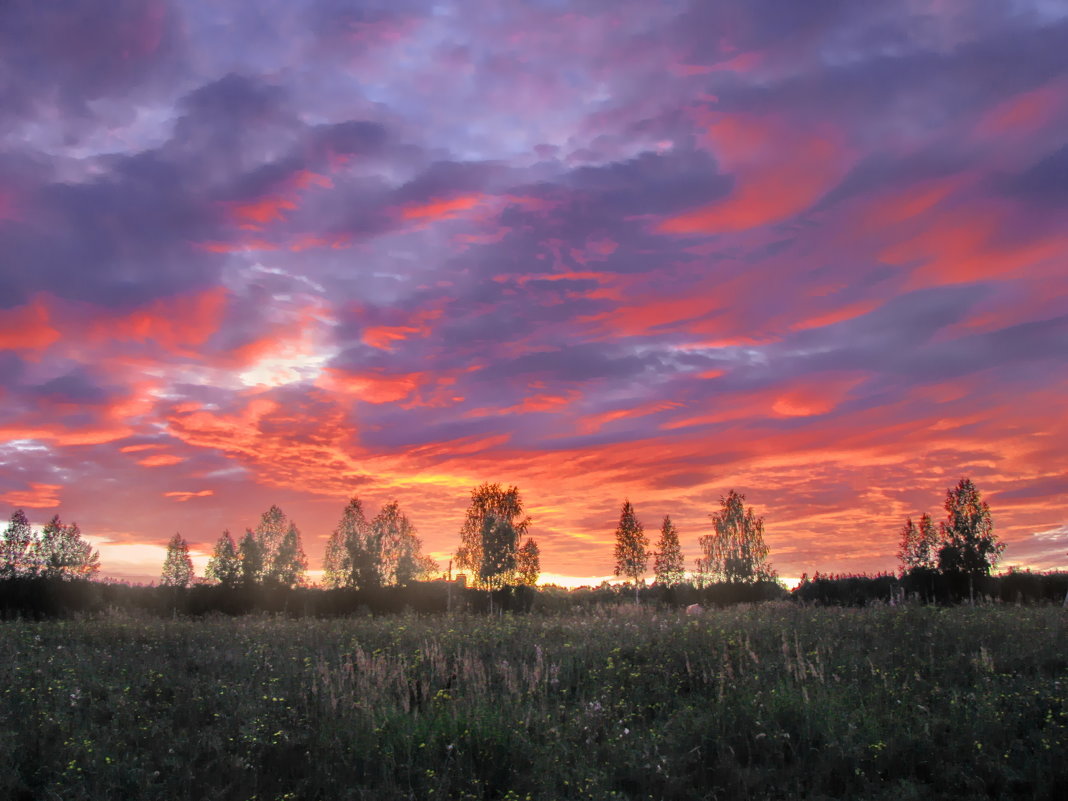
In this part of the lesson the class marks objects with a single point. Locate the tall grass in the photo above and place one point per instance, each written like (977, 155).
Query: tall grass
(774, 701)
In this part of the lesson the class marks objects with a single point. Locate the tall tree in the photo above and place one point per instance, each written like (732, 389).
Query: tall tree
(631, 546)
(290, 563)
(177, 565)
(668, 564)
(62, 553)
(919, 545)
(969, 544)
(15, 551)
(528, 563)
(225, 563)
(251, 555)
(395, 535)
(284, 562)
(503, 504)
(735, 552)
(270, 532)
(353, 552)
(500, 546)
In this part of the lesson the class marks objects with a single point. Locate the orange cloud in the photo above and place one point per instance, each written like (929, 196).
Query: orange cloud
(173, 323)
(967, 244)
(256, 214)
(803, 398)
(27, 328)
(291, 344)
(383, 336)
(89, 435)
(441, 208)
(848, 312)
(541, 402)
(38, 496)
(139, 448)
(182, 497)
(592, 423)
(160, 460)
(304, 179)
(779, 172)
(372, 387)
(814, 396)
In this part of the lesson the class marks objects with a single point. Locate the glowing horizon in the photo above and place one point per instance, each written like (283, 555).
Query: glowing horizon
(600, 250)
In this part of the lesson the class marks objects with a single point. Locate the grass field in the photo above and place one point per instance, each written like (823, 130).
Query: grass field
(775, 701)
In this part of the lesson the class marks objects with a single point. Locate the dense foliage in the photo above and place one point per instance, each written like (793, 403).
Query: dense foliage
(59, 552)
(669, 566)
(776, 701)
(735, 551)
(490, 536)
(177, 565)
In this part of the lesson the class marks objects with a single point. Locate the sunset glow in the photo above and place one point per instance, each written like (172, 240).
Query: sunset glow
(299, 250)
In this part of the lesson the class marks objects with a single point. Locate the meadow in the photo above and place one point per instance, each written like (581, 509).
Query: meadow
(767, 701)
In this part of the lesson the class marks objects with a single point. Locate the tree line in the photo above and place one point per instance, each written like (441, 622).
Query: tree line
(496, 551)
(733, 553)
(59, 552)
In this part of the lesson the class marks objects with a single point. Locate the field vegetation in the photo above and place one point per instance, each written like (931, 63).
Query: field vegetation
(777, 700)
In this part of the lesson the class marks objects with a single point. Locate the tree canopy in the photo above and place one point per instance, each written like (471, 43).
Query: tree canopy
(401, 560)
(919, 545)
(283, 561)
(62, 553)
(969, 544)
(631, 549)
(16, 553)
(735, 551)
(354, 551)
(177, 565)
(224, 566)
(507, 525)
(668, 565)
(528, 563)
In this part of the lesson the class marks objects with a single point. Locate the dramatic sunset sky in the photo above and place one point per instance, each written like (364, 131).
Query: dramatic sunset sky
(295, 250)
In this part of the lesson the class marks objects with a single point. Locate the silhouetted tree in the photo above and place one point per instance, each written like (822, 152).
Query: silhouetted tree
(225, 563)
(528, 563)
(177, 565)
(270, 532)
(401, 559)
(353, 552)
(919, 545)
(735, 552)
(15, 551)
(284, 562)
(631, 546)
(62, 553)
(500, 545)
(251, 555)
(969, 545)
(668, 563)
(290, 563)
(503, 504)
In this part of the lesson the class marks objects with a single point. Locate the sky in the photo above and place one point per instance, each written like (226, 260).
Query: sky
(293, 251)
